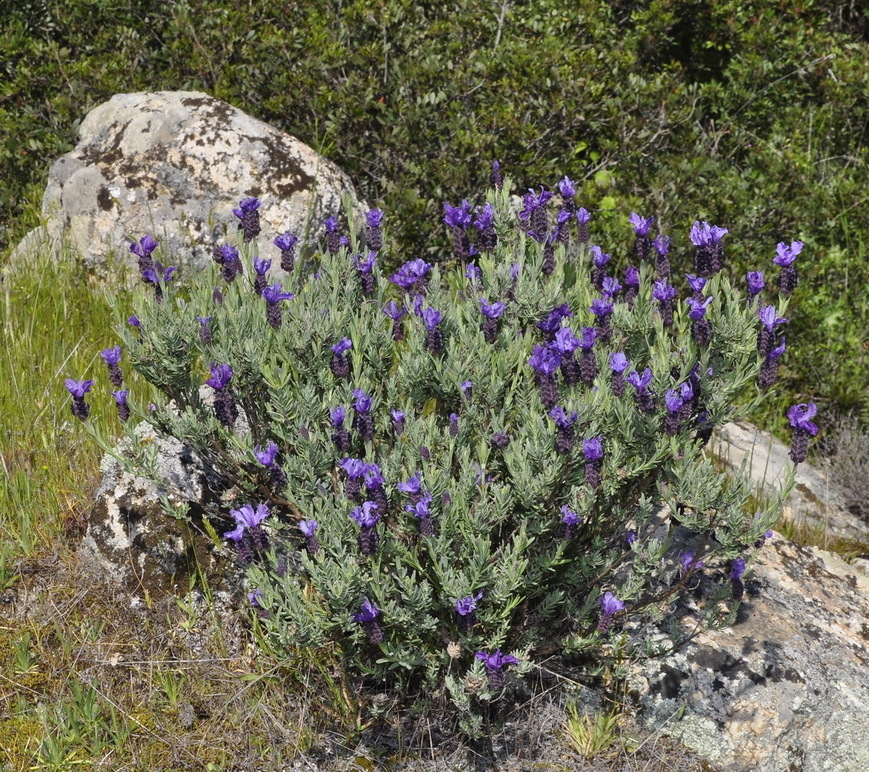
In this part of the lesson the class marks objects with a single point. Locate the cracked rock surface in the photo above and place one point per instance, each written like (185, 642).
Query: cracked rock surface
(786, 688)
(174, 164)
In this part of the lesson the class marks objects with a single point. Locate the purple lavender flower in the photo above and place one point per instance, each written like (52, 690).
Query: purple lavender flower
(466, 611)
(630, 538)
(227, 258)
(769, 367)
(248, 534)
(363, 421)
(286, 242)
(785, 256)
(248, 215)
(492, 313)
(221, 374)
(373, 233)
(365, 272)
(564, 345)
(545, 361)
(803, 427)
(273, 295)
(396, 313)
(366, 517)
(205, 335)
(641, 225)
(766, 335)
(755, 283)
(495, 665)
(737, 569)
(143, 249)
(158, 276)
(664, 294)
(599, 258)
(459, 218)
(309, 531)
(496, 180)
(533, 215)
(593, 451)
(412, 276)
(701, 329)
(133, 321)
(77, 389)
(709, 256)
(340, 436)
(689, 562)
(500, 440)
(610, 605)
(552, 323)
(570, 521)
(224, 404)
(618, 365)
(642, 242)
(121, 402)
(587, 359)
(112, 356)
(260, 268)
(434, 340)
(333, 238)
(582, 218)
(610, 287)
(696, 283)
(354, 468)
(467, 388)
(564, 429)
(267, 456)
(644, 397)
(567, 187)
(473, 273)
(367, 617)
(340, 364)
(602, 310)
(674, 403)
(398, 417)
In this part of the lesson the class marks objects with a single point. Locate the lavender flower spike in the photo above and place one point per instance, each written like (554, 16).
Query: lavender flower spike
(121, 402)
(610, 606)
(248, 215)
(495, 664)
(112, 356)
(309, 531)
(785, 256)
(803, 427)
(367, 617)
(77, 390)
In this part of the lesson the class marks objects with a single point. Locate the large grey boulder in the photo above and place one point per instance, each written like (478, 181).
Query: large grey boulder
(151, 534)
(174, 164)
(786, 688)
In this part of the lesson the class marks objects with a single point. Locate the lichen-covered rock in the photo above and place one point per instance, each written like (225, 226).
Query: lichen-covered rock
(174, 164)
(132, 536)
(786, 688)
(816, 501)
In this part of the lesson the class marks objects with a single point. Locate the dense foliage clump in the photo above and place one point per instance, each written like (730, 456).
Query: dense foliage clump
(443, 472)
(749, 113)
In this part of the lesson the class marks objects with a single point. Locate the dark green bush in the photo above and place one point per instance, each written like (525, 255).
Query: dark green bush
(755, 112)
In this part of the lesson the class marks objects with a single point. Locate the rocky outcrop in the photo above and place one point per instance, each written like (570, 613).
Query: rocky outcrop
(786, 688)
(816, 502)
(152, 537)
(175, 164)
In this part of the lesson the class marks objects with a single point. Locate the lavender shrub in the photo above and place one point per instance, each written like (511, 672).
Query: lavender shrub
(455, 477)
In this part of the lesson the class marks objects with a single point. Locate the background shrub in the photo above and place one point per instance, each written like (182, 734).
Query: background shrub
(749, 114)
